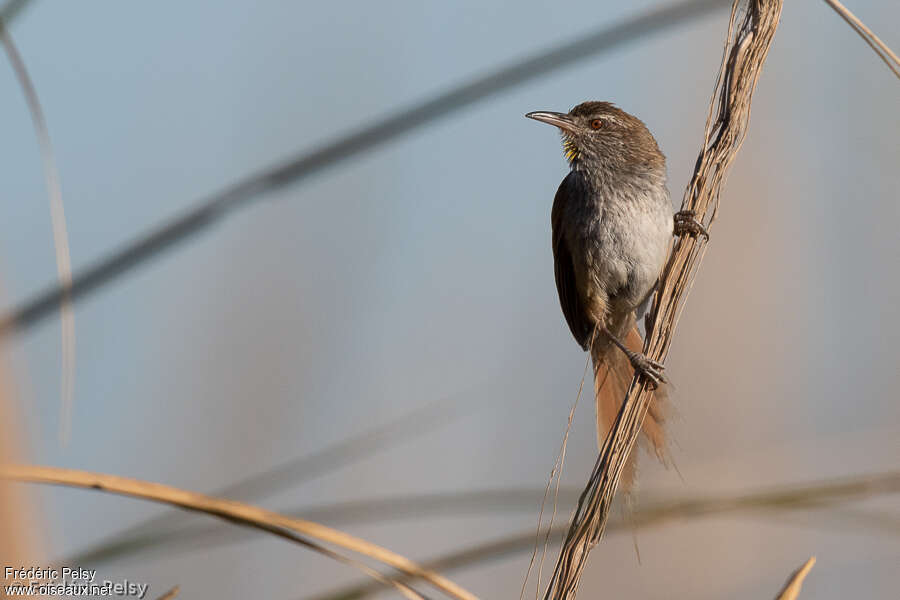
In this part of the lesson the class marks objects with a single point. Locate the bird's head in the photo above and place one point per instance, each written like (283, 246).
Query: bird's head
(601, 135)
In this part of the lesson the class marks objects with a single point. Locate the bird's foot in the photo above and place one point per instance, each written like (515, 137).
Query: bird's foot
(650, 369)
(686, 222)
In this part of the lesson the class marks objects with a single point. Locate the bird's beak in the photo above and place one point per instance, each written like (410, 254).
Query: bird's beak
(561, 120)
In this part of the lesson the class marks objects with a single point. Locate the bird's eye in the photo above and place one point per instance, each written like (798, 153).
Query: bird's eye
(596, 124)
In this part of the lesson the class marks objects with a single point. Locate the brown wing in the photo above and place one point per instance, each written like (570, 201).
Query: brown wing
(564, 270)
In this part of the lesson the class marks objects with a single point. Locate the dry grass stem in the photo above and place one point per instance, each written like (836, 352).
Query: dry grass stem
(296, 530)
(747, 45)
(818, 495)
(555, 472)
(881, 49)
(792, 588)
(60, 233)
(170, 594)
(296, 471)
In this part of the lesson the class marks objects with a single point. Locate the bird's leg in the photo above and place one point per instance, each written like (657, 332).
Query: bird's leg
(647, 367)
(686, 222)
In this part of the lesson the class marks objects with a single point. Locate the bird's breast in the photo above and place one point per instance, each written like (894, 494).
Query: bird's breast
(619, 237)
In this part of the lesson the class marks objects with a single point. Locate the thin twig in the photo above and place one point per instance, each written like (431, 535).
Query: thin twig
(60, 234)
(210, 210)
(745, 51)
(297, 530)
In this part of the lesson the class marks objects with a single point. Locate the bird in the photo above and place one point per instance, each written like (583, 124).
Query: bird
(612, 223)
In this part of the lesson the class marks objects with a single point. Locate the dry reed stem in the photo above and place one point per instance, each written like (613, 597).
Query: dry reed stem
(244, 514)
(746, 47)
(792, 588)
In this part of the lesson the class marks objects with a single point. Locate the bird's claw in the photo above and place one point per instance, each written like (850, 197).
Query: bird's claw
(650, 369)
(686, 222)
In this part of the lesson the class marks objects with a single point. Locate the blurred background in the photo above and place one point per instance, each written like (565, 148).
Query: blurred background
(420, 272)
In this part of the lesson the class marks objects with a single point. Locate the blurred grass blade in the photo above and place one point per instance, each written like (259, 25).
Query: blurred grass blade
(297, 530)
(216, 206)
(416, 423)
(12, 9)
(60, 234)
(821, 494)
(174, 541)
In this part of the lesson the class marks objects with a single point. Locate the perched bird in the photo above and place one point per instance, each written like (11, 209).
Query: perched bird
(612, 224)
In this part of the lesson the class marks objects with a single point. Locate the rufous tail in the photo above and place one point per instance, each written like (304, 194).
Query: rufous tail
(612, 377)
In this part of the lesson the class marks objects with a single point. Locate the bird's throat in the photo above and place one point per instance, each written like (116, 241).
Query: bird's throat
(570, 149)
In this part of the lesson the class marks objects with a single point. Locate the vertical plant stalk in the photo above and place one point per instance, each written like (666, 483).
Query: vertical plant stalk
(747, 44)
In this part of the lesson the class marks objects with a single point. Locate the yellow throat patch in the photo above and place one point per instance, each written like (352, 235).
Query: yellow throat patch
(570, 149)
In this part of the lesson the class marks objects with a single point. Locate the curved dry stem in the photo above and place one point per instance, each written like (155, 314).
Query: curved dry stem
(296, 471)
(881, 49)
(60, 234)
(237, 512)
(817, 495)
